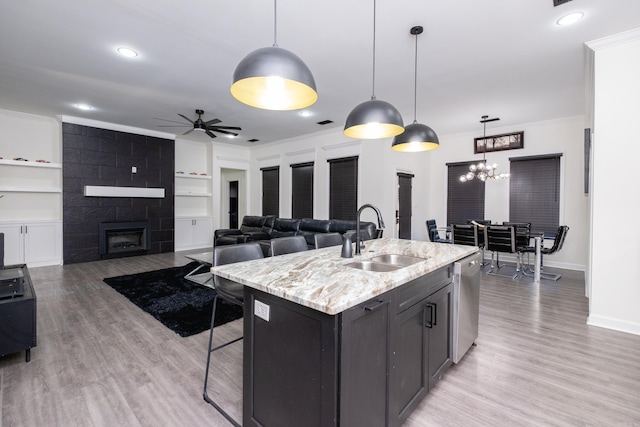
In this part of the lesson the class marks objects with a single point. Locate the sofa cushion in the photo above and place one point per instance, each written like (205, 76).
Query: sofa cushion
(252, 223)
(310, 227)
(284, 227)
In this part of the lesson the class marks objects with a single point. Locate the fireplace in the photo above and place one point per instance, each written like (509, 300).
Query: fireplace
(125, 238)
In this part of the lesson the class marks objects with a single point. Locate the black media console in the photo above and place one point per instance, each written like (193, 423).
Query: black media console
(18, 319)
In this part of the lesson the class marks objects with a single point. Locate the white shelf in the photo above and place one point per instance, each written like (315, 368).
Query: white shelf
(190, 194)
(30, 189)
(107, 191)
(9, 162)
(186, 175)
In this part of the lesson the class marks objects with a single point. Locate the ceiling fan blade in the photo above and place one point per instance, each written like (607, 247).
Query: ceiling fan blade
(209, 133)
(187, 119)
(171, 121)
(224, 131)
(211, 122)
(188, 132)
(225, 127)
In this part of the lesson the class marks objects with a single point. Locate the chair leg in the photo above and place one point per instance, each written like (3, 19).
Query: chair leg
(205, 394)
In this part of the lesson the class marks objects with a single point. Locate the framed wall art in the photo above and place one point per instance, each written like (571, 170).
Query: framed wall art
(506, 141)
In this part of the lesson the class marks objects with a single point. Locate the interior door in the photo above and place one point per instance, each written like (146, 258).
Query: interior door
(233, 204)
(403, 219)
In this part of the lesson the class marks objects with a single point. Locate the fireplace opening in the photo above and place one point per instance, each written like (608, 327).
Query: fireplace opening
(118, 239)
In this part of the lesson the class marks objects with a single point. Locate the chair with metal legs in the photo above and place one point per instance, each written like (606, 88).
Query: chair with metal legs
(501, 239)
(561, 235)
(464, 234)
(229, 291)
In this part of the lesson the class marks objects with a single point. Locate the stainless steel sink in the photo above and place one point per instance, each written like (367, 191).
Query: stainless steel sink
(397, 259)
(368, 265)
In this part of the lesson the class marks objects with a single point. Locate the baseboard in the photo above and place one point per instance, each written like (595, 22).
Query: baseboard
(614, 324)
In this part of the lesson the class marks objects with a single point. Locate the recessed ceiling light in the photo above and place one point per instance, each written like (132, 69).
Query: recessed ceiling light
(83, 107)
(305, 113)
(569, 19)
(129, 53)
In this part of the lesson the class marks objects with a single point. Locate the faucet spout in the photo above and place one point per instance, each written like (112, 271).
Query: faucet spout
(380, 223)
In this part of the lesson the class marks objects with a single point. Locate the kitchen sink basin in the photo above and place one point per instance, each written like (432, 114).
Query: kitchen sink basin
(368, 265)
(397, 260)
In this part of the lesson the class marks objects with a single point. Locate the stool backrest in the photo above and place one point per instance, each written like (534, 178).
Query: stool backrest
(287, 245)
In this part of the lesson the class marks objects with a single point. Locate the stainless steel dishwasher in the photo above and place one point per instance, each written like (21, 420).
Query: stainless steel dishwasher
(466, 304)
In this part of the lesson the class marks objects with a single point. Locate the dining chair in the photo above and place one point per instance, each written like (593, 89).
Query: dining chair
(464, 234)
(433, 232)
(287, 245)
(501, 239)
(229, 291)
(323, 240)
(558, 242)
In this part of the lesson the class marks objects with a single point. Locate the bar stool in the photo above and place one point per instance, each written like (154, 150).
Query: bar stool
(323, 240)
(229, 291)
(287, 245)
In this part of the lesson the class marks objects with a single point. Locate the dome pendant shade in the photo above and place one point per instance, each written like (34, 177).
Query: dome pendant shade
(416, 137)
(373, 119)
(273, 78)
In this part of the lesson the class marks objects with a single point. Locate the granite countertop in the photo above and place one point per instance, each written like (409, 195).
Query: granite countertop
(319, 279)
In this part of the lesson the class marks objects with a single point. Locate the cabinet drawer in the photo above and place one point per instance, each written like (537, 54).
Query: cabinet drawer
(414, 291)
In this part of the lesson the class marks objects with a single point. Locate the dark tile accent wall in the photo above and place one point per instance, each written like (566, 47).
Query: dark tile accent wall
(92, 156)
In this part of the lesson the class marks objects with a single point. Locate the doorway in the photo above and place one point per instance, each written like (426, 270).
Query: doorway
(404, 205)
(233, 204)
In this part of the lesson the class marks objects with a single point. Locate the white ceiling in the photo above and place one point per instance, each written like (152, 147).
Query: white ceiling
(505, 58)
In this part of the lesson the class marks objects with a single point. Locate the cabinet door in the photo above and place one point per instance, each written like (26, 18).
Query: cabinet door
(438, 321)
(13, 243)
(410, 381)
(42, 243)
(203, 232)
(364, 364)
(183, 234)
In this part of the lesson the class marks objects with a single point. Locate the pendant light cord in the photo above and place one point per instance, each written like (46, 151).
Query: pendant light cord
(275, 23)
(373, 87)
(415, 84)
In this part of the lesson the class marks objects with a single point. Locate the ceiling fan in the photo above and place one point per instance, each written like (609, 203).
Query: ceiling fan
(207, 127)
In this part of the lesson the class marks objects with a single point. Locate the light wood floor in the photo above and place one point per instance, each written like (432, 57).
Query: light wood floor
(101, 361)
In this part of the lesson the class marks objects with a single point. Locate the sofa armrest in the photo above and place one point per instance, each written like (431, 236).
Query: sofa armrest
(226, 232)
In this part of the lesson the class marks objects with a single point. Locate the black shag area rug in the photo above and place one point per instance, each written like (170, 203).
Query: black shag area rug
(181, 305)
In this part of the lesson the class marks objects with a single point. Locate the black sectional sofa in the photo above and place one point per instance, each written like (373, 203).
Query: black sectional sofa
(262, 229)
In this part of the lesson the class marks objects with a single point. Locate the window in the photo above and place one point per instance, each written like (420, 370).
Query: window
(343, 188)
(465, 200)
(271, 191)
(534, 192)
(302, 190)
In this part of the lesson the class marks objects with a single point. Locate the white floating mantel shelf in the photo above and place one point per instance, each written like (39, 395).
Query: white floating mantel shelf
(106, 191)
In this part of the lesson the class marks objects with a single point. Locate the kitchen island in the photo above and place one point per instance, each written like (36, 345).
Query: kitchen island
(328, 344)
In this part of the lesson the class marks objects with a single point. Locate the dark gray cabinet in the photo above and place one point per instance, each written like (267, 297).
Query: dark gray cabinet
(369, 365)
(420, 341)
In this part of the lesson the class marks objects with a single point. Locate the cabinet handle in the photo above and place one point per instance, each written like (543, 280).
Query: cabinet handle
(379, 304)
(432, 315)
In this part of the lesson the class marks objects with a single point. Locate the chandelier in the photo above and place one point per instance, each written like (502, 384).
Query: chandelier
(482, 170)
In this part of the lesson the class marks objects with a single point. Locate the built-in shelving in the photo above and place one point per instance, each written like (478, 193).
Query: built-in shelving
(9, 162)
(9, 189)
(184, 175)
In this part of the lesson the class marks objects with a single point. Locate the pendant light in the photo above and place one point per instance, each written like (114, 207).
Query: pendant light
(273, 78)
(482, 170)
(416, 136)
(373, 119)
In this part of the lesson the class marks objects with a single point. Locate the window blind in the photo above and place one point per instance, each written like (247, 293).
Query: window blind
(465, 200)
(271, 191)
(343, 188)
(302, 190)
(534, 192)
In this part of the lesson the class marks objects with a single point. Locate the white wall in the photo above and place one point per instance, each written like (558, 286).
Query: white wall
(614, 275)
